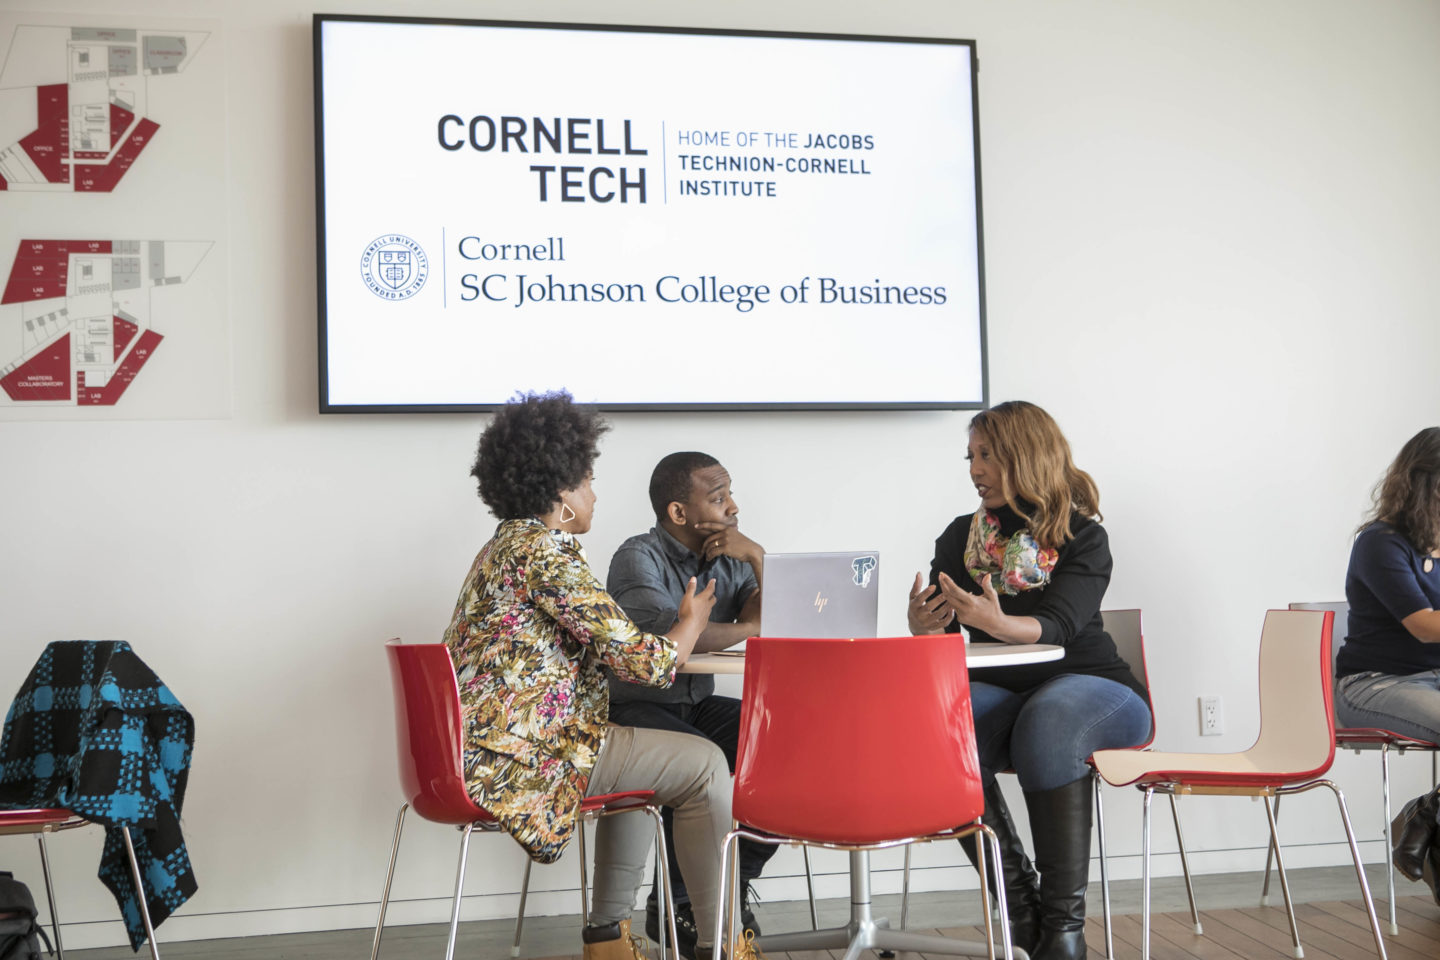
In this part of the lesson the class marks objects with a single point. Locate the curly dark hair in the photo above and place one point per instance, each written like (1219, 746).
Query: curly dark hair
(537, 445)
(672, 480)
(1408, 499)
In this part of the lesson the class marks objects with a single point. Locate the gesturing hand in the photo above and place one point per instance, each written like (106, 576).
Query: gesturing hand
(981, 611)
(696, 606)
(929, 611)
(726, 540)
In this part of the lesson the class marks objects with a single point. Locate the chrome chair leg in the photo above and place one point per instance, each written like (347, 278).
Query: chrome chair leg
(459, 889)
(1104, 869)
(986, 835)
(1385, 836)
(1284, 883)
(728, 852)
(389, 877)
(904, 891)
(140, 894)
(1185, 866)
(1269, 856)
(520, 914)
(1359, 869)
(666, 900)
(1145, 875)
(810, 889)
(736, 904)
(50, 895)
(584, 874)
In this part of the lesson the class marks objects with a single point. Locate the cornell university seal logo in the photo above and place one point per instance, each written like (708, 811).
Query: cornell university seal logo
(394, 267)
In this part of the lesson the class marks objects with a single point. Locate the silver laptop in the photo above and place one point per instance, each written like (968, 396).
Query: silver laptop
(820, 594)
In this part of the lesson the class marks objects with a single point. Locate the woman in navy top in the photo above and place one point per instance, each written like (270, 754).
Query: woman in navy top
(1388, 672)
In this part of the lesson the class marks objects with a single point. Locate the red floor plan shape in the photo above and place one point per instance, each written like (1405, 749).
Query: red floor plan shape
(88, 88)
(76, 317)
(45, 376)
(87, 396)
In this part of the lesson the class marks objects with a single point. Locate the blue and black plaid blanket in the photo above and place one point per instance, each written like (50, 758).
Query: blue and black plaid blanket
(93, 730)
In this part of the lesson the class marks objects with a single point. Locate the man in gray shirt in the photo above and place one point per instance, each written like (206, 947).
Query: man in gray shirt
(696, 534)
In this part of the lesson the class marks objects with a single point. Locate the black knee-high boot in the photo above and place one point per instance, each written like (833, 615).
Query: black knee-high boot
(1022, 894)
(1060, 824)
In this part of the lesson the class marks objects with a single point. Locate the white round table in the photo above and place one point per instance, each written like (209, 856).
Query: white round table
(977, 655)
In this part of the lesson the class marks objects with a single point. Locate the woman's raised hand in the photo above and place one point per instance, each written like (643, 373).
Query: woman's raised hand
(982, 611)
(693, 617)
(696, 606)
(929, 611)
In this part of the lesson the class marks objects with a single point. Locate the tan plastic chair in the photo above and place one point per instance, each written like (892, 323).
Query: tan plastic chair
(1295, 747)
(1124, 627)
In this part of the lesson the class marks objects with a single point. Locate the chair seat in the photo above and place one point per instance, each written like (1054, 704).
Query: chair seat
(617, 801)
(1360, 736)
(471, 812)
(28, 821)
(1248, 768)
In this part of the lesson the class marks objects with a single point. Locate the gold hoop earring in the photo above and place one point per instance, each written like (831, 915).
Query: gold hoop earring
(564, 509)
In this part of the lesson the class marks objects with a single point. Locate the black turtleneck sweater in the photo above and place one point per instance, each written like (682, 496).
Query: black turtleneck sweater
(1068, 608)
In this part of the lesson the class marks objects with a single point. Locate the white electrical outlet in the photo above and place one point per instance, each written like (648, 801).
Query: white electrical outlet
(1212, 717)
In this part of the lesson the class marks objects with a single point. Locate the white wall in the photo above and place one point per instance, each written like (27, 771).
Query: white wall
(1210, 251)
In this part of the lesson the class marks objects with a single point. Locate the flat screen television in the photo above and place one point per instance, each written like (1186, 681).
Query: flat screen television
(651, 218)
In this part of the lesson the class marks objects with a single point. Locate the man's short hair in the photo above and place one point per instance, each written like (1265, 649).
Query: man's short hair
(671, 480)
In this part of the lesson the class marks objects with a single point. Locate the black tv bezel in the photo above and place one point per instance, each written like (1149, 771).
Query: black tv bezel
(323, 355)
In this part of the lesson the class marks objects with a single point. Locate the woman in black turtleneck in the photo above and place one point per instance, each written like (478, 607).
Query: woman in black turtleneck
(1031, 566)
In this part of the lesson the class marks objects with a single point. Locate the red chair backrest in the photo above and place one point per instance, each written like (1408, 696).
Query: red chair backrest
(856, 741)
(428, 732)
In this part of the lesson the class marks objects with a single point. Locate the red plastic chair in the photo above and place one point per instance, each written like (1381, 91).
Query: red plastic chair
(1364, 738)
(429, 737)
(1294, 749)
(42, 822)
(857, 745)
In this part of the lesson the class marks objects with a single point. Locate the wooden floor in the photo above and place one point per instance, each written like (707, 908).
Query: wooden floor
(1332, 922)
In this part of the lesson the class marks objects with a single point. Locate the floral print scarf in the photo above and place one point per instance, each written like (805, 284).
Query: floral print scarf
(1015, 563)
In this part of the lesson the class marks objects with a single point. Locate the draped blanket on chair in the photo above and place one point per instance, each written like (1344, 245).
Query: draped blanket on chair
(93, 730)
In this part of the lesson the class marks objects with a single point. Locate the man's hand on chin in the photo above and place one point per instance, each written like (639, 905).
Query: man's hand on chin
(726, 540)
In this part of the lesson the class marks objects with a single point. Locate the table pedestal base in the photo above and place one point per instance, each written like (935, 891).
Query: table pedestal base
(866, 932)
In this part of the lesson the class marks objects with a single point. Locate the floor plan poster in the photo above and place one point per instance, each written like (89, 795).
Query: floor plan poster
(112, 215)
(86, 316)
(91, 88)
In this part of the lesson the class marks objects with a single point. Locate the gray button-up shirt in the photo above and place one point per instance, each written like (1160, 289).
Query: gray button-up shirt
(648, 576)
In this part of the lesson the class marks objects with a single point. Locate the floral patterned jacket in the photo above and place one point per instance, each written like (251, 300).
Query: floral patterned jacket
(531, 631)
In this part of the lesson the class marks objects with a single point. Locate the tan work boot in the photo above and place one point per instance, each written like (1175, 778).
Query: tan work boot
(612, 941)
(745, 949)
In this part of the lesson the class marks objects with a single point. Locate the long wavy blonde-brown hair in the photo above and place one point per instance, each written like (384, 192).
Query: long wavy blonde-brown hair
(1409, 497)
(1036, 469)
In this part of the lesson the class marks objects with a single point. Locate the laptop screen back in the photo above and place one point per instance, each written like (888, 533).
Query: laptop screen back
(820, 594)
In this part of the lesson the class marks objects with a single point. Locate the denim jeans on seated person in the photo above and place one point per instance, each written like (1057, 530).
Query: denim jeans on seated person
(1045, 733)
(1406, 704)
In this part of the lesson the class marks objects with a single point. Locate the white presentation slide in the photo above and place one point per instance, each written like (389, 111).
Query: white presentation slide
(645, 218)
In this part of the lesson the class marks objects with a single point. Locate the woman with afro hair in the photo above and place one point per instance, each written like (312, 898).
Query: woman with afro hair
(532, 634)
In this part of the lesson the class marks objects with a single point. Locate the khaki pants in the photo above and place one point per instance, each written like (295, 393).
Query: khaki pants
(688, 774)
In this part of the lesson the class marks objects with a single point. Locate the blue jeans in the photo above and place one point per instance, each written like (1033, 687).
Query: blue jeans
(1408, 704)
(1045, 733)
